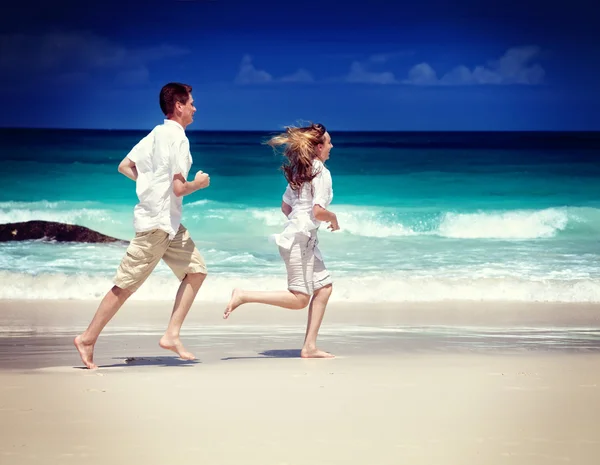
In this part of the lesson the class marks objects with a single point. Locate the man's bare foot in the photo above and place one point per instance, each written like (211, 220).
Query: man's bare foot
(175, 345)
(315, 353)
(86, 352)
(234, 302)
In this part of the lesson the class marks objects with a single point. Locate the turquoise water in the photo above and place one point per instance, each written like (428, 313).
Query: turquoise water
(496, 216)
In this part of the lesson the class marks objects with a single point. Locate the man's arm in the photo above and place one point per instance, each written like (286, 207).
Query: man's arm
(181, 187)
(127, 168)
(141, 151)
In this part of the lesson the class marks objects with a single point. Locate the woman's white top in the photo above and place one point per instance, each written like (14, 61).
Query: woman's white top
(302, 220)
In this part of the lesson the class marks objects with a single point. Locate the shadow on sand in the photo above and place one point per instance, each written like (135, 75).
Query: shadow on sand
(148, 361)
(284, 353)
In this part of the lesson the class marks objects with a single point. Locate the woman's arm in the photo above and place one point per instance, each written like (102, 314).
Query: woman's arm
(322, 214)
(286, 209)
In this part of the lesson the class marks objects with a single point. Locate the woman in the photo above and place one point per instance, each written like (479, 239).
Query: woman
(305, 201)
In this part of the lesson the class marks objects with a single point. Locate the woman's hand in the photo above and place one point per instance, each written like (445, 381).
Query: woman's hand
(333, 225)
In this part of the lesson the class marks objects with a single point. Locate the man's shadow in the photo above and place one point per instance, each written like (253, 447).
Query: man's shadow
(284, 353)
(149, 361)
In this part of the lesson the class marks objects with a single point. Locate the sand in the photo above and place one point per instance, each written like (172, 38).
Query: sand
(428, 383)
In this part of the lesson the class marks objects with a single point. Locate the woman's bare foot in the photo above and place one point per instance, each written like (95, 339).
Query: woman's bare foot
(175, 345)
(315, 353)
(86, 352)
(234, 302)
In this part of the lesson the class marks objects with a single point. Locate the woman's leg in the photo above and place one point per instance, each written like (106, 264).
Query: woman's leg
(286, 299)
(299, 265)
(316, 311)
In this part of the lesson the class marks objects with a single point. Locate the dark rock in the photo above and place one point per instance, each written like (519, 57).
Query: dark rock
(51, 231)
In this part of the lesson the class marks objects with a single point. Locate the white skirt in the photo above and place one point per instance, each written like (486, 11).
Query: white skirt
(305, 268)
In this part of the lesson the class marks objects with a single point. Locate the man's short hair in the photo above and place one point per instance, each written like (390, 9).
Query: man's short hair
(172, 93)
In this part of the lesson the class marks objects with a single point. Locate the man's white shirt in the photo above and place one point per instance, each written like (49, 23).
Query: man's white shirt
(158, 157)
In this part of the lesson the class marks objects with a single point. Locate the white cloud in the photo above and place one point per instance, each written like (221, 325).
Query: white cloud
(360, 74)
(361, 71)
(82, 49)
(301, 75)
(421, 74)
(516, 66)
(71, 56)
(249, 74)
(380, 58)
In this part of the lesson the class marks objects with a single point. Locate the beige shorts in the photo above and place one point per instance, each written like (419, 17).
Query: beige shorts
(146, 250)
(305, 270)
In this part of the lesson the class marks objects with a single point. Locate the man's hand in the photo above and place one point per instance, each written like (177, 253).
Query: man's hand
(203, 179)
(181, 187)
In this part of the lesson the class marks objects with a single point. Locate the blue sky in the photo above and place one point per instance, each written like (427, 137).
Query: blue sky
(502, 65)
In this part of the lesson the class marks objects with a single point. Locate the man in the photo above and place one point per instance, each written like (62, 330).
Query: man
(159, 164)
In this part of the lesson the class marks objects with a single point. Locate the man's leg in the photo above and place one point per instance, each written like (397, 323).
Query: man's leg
(142, 256)
(186, 294)
(187, 263)
(110, 305)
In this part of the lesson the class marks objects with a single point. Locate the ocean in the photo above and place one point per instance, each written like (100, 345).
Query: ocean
(423, 216)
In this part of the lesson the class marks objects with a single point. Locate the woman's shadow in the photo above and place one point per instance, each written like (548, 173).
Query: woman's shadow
(283, 353)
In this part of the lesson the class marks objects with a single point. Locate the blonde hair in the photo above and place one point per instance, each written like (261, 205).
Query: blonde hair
(300, 144)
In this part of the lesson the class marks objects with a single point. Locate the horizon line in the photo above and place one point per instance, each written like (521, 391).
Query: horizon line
(40, 128)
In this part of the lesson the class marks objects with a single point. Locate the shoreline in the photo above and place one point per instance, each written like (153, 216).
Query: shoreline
(449, 312)
(38, 334)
